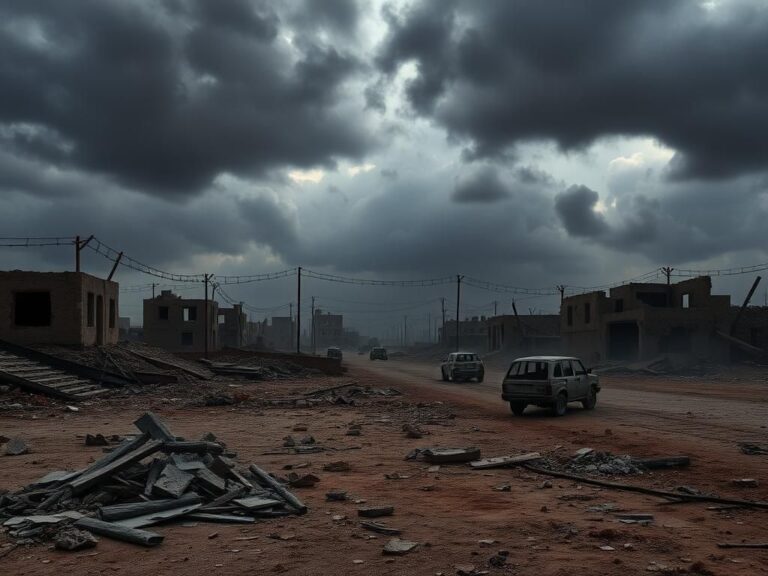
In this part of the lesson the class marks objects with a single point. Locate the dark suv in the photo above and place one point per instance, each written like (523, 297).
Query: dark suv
(378, 353)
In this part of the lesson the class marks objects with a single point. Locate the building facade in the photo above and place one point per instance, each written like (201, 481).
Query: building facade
(328, 329)
(525, 335)
(66, 308)
(178, 324)
(642, 321)
(233, 327)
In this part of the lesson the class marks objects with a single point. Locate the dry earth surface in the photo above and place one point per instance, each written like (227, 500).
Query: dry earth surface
(546, 531)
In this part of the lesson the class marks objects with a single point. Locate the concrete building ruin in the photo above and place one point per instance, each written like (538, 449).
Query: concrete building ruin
(643, 321)
(328, 330)
(473, 333)
(65, 308)
(178, 324)
(233, 327)
(524, 335)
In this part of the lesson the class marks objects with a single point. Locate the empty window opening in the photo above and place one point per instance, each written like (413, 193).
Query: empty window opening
(222, 319)
(91, 310)
(112, 313)
(187, 339)
(686, 300)
(162, 313)
(32, 309)
(587, 313)
(570, 315)
(189, 313)
(619, 307)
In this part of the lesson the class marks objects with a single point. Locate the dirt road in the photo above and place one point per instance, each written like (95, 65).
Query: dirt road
(459, 517)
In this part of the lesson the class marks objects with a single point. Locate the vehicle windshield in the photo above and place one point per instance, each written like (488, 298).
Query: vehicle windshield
(528, 370)
(464, 358)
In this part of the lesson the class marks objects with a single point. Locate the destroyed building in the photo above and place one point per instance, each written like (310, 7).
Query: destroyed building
(281, 335)
(65, 308)
(642, 321)
(178, 324)
(233, 326)
(328, 329)
(473, 333)
(524, 335)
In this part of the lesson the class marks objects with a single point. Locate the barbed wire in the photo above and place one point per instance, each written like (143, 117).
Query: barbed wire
(114, 255)
(720, 272)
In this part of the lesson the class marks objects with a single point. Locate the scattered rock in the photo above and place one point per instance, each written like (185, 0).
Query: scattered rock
(16, 447)
(289, 442)
(375, 511)
(305, 481)
(336, 496)
(338, 466)
(96, 440)
(307, 441)
(300, 428)
(354, 432)
(73, 539)
(412, 431)
(399, 547)
(745, 482)
(497, 561)
(503, 488)
(546, 484)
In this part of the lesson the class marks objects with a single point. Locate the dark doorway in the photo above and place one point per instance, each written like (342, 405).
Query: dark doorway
(99, 320)
(32, 309)
(623, 341)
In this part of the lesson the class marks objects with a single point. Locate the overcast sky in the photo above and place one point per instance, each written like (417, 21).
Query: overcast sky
(527, 143)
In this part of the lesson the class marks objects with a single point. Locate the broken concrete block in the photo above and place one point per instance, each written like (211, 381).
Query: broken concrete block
(353, 432)
(399, 547)
(289, 442)
(72, 539)
(375, 511)
(336, 496)
(16, 447)
(450, 455)
(381, 528)
(173, 482)
(412, 431)
(338, 466)
(307, 441)
(300, 428)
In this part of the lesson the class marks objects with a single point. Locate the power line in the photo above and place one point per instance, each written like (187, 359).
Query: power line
(255, 277)
(368, 282)
(114, 255)
(721, 272)
(33, 242)
(504, 288)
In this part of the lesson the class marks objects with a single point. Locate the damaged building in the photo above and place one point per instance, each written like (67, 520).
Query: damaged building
(328, 329)
(178, 324)
(473, 333)
(642, 321)
(524, 335)
(65, 308)
(233, 327)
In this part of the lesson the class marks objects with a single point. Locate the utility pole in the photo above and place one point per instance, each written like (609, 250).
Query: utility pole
(667, 271)
(78, 248)
(561, 289)
(205, 319)
(495, 306)
(429, 327)
(153, 289)
(442, 304)
(312, 336)
(405, 330)
(298, 312)
(459, 278)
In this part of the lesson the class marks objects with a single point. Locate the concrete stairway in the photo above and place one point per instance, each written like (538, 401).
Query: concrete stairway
(38, 376)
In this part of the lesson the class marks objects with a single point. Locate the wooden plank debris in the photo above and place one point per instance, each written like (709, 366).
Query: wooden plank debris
(90, 479)
(131, 510)
(132, 535)
(504, 461)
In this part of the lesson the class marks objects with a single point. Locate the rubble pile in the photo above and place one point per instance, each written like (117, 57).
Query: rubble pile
(589, 461)
(151, 478)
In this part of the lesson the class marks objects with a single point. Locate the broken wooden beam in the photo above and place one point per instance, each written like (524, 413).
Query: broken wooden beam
(199, 447)
(265, 478)
(759, 545)
(660, 463)
(155, 427)
(123, 511)
(504, 461)
(132, 535)
(94, 477)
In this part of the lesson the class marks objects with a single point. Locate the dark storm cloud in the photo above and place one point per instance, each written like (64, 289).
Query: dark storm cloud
(501, 72)
(163, 101)
(576, 210)
(484, 186)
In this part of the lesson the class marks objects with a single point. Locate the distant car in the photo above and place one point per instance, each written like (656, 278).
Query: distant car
(334, 353)
(378, 353)
(551, 381)
(462, 366)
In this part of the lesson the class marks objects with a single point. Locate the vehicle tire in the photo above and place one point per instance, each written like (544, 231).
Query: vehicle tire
(480, 378)
(590, 401)
(444, 375)
(518, 408)
(453, 376)
(560, 406)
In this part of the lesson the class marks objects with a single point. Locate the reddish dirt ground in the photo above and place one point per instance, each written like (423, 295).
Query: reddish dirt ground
(546, 531)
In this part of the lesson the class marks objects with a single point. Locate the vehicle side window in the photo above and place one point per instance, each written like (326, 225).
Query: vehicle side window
(558, 371)
(567, 369)
(579, 367)
(514, 370)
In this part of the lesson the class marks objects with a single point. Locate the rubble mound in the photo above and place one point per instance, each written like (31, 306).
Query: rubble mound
(602, 463)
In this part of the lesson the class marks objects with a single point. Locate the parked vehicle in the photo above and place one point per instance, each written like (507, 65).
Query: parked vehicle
(462, 366)
(378, 353)
(334, 352)
(551, 381)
